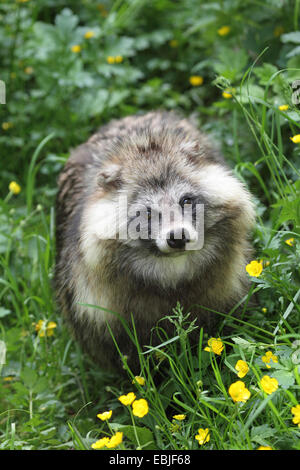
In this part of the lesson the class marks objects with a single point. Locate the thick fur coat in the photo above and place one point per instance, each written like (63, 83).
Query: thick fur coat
(157, 158)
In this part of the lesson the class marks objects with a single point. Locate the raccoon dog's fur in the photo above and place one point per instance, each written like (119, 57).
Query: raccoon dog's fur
(154, 159)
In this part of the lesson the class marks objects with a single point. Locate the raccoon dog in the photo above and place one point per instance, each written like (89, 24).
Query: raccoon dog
(110, 253)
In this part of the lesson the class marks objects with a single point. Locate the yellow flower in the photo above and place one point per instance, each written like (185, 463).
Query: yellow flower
(179, 417)
(264, 310)
(239, 392)
(50, 328)
(43, 330)
(203, 436)
(105, 415)
(264, 448)
(89, 34)
(127, 399)
(29, 70)
(175, 427)
(14, 187)
(102, 10)
(254, 269)
(140, 380)
(173, 43)
(224, 30)
(140, 408)
(115, 440)
(196, 80)
(283, 107)
(215, 345)
(76, 48)
(6, 125)
(278, 31)
(296, 411)
(290, 241)
(101, 443)
(118, 59)
(110, 59)
(269, 384)
(295, 139)
(267, 358)
(242, 368)
(226, 95)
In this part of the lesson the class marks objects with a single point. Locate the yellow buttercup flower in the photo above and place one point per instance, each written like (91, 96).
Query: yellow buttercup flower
(296, 412)
(290, 241)
(226, 95)
(215, 345)
(127, 399)
(110, 59)
(268, 357)
(196, 80)
(295, 139)
(264, 310)
(76, 48)
(239, 392)
(278, 31)
(179, 417)
(242, 368)
(224, 30)
(115, 440)
(269, 384)
(29, 70)
(100, 443)
(264, 448)
(44, 329)
(173, 43)
(105, 415)
(203, 436)
(14, 187)
(7, 125)
(140, 380)
(254, 268)
(118, 59)
(283, 107)
(89, 34)
(140, 408)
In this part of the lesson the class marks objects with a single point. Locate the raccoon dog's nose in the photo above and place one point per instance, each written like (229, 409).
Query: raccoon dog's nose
(182, 237)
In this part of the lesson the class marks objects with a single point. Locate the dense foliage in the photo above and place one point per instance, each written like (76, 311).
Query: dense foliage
(69, 67)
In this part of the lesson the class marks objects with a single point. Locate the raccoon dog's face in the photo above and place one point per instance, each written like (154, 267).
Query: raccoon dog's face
(170, 219)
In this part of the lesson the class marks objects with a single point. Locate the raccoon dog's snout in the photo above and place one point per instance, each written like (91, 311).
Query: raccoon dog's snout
(178, 239)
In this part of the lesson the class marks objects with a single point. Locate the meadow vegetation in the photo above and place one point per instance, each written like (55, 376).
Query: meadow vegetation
(71, 66)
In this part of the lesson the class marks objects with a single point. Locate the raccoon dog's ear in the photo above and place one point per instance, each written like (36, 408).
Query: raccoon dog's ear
(109, 177)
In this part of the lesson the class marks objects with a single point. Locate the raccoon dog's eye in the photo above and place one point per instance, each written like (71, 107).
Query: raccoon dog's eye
(185, 200)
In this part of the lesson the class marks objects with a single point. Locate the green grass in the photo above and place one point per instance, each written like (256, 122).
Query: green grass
(50, 392)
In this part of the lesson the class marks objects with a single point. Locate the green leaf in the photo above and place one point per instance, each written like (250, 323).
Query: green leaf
(29, 377)
(4, 312)
(259, 434)
(66, 21)
(285, 378)
(231, 63)
(265, 72)
(294, 36)
(144, 436)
